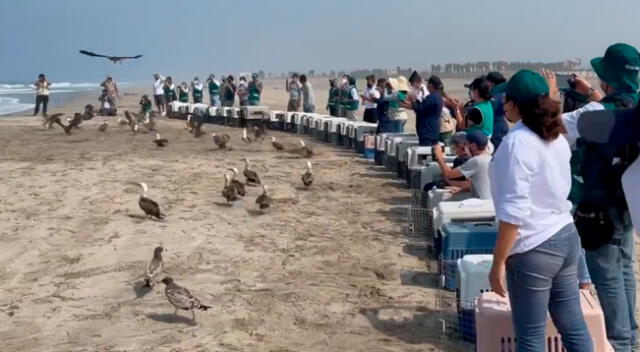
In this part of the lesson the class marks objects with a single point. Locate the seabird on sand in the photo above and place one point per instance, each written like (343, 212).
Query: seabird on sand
(155, 267)
(49, 120)
(264, 200)
(250, 175)
(245, 138)
(240, 189)
(229, 192)
(277, 145)
(181, 298)
(103, 126)
(307, 177)
(221, 140)
(160, 142)
(304, 151)
(148, 205)
(133, 123)
(258, 133)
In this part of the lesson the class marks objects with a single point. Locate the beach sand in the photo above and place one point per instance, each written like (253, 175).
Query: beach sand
(326, 269)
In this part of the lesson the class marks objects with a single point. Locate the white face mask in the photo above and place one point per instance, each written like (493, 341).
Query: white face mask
(344, 81)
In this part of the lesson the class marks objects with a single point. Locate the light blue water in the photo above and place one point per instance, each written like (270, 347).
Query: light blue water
(19, 97)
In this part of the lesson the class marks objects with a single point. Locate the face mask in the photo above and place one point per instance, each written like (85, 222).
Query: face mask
(344, 81)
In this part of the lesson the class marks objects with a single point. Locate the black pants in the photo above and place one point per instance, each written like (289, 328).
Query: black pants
(44, 100)
(371, 115)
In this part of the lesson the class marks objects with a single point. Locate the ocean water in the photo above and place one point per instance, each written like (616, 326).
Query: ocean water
(18, 97)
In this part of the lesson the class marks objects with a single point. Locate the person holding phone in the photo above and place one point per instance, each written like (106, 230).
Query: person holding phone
(42, 94)
(294, 88)
(538, 244)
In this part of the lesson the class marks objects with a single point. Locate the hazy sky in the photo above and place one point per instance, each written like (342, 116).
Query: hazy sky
(196, 37)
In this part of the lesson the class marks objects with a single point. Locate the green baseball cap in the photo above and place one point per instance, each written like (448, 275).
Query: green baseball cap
(619, 67)
(524, 86)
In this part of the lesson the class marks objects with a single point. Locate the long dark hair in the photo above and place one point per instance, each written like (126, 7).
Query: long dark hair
(542, 116)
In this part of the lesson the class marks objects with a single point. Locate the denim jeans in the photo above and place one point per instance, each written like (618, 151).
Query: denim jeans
(214, 100)
(611, 269)
(545, 279)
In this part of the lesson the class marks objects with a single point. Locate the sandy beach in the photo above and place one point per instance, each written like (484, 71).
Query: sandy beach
(326, 269)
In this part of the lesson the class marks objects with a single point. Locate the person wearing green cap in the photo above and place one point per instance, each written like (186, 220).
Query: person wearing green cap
(602, 214)
(255, 90)
(538, 245)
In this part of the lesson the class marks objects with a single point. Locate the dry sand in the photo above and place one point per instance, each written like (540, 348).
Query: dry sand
(325, 269)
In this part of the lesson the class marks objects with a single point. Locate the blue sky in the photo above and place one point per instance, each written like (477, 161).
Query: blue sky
(196, 37)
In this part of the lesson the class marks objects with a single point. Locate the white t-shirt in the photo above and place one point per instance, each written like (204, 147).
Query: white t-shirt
(476, 169)
(421, 92)
(42, 88)
(371, 93)
(158, 86)
(530, 184)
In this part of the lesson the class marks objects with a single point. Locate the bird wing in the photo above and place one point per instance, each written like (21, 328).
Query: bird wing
(155, 268)
(127, 57)
(89, 53)
(149, 205)
(180, 297)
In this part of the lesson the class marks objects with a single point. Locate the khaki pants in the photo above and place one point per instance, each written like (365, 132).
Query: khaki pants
(351, 114)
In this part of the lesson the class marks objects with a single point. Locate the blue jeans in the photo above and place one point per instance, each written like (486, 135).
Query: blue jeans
(611, 269)
(214, 100)
(545, 279)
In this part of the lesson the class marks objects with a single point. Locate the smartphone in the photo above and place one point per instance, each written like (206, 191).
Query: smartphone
(563, 80)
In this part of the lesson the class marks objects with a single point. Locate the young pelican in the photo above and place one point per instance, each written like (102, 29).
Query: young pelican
(240, 189)
(229, 191)
(103, 126)
(250, 175)
(155, 267)
(160, 142)
(148, 205)
(304, 151)
(277, 145)
(181, 298)
(264, 200)
(307, 177)
(259, 133)
(221, 140)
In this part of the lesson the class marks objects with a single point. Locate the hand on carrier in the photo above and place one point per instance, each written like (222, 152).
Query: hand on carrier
(496, 279)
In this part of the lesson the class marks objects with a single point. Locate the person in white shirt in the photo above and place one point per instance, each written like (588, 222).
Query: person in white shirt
(475, 169)
(418, 88)
(294, 88)
(538, 245)
(42, 94)
(370, 97)
(308, 98)
(158, 94)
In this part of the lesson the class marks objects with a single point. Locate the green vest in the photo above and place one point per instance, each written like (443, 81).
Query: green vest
(254, 92)
(214, 89)
(169, 94)
(394, 103)
(334, 95)
(351, 104)
(486, 108)
(184, 96)
(197, 93)
(146, 106)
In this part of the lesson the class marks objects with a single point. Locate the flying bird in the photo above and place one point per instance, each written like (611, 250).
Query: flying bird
(155, 267)
(181, 298)
(114, 59)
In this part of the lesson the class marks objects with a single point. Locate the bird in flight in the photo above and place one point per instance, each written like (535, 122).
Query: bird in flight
(115, 59)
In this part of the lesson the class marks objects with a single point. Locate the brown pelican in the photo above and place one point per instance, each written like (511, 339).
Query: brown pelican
(122, 122)
(148, 205)
(304, 151)
(277, 145)
(221, 140)
(103, 126)
(155, 267)
(229, 191)
(245, 138)
(160, 142)
(197, 121)
(250, 175)
(48, 121)
(259, 133)
(75, 121)
(239, 186)
(181, 298)
(133, 123)
(264, 200)
(307, 177)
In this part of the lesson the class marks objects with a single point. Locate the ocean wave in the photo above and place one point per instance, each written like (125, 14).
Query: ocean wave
(12, 105)
(58, 87)
(12, 86)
